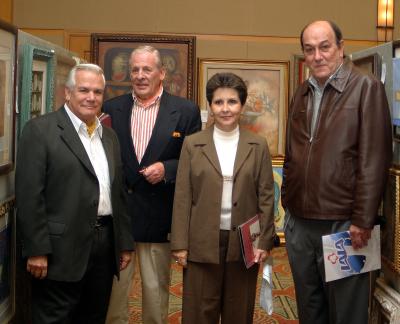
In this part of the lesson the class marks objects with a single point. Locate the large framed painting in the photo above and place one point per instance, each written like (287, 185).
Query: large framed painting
(390, 236)
(265, 110)
(112, 52)
(371, 64)
(7, 260)
(37, 85)
(8, 68)
(279, 212)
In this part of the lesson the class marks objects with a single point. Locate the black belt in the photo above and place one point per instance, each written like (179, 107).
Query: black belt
(102, 221)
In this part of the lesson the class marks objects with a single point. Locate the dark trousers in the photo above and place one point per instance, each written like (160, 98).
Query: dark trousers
(341, 301)
(85, 301)
(225, 290)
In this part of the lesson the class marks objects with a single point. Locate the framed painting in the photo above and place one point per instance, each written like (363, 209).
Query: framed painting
(266, 106)
(279, 212)
(390, 229)
(301, 72)
(8, 68)
(112, 52)
(7, 261)
(37, 84)
(63, 66)
(370, 64)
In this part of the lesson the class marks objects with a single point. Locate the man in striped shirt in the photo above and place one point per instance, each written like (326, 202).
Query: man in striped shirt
(151, 125)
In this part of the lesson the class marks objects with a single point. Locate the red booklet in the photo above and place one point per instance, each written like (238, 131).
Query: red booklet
(249, 233)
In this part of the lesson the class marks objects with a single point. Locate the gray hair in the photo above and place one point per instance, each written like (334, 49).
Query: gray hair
(71, 81)
(147, 49)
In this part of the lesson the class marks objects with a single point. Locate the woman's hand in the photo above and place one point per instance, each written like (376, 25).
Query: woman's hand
(180, 257)
(261, 255)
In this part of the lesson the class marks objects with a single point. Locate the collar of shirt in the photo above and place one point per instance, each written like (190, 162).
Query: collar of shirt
(79, 124)
(147, 103)
(315, 84)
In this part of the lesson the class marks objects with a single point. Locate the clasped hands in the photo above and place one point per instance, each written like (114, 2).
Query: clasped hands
(154, 173)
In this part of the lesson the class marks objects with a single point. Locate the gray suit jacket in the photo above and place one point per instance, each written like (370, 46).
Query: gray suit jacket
(57, 195)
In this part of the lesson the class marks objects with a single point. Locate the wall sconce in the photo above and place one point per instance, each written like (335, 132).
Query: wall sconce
(385, 20)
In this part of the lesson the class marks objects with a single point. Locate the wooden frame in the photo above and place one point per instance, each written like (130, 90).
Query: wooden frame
(391, 227)
(265, 110)
(112, 51)
(279, 212)
(371, 64)
(301, 72)
(8, 76)
(7, 260)
(37, 88)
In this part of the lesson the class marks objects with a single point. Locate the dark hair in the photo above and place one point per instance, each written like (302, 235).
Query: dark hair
(226, 80)
(335, 28)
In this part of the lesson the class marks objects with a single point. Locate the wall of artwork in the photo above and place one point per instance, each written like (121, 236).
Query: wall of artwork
(254, 29)
(282, 18)
(238, 36)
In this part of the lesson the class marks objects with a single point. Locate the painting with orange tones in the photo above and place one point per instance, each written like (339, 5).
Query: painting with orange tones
(112, 52)
(267, 86)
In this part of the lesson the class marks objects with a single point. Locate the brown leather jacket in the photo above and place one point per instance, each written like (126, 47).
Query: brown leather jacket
(341, 173)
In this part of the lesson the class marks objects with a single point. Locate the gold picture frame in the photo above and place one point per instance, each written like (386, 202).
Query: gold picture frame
(390, 230)
(279, 212)
(112, 51)
(266, 107)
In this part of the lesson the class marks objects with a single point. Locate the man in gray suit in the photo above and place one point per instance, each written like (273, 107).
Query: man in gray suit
(71, 208)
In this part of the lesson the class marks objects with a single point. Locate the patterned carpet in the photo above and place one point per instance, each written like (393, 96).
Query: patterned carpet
(284, 300)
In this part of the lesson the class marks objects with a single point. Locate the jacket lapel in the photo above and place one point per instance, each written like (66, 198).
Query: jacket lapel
(167, 119)
(209, 150)
(72, 140)
(124, 120)
(243, 151)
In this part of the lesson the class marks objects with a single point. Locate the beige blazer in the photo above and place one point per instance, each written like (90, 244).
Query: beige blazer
(197, 202)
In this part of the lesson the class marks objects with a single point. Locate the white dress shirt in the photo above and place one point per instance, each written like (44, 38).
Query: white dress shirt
(95, 151)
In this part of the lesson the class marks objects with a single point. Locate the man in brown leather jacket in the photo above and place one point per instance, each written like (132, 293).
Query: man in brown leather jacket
(338, 151)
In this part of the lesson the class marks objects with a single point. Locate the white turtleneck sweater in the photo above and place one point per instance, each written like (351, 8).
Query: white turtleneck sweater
(226, 145)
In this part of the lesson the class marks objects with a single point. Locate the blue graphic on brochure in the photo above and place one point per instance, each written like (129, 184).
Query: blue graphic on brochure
(341, 260)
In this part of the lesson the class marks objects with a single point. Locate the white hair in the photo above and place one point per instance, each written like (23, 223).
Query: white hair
(71, 81)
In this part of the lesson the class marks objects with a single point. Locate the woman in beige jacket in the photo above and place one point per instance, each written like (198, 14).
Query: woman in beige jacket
(224, 178)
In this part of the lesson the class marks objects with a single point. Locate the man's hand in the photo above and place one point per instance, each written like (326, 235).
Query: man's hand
(180, 257)
(125, 258)
(37, 266)
(154, 173)
(359, 236)
(261, 255)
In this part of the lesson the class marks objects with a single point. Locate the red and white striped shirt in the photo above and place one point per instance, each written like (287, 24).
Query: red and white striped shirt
(143, 119)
